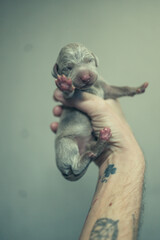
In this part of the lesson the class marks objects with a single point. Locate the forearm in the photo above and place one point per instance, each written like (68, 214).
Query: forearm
(116, 204)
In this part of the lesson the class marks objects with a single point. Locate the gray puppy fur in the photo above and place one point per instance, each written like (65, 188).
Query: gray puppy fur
(76, 145)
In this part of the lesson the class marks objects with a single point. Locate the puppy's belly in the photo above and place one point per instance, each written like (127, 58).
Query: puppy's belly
(74, 123)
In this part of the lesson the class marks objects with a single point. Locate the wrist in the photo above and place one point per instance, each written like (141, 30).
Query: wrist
(122, 171)
(128, 159)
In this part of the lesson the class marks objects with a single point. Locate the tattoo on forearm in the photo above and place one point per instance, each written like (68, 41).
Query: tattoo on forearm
(109, 170)
(105, 229)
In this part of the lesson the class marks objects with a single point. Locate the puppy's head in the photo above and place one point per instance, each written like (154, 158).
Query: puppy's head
(78, 63)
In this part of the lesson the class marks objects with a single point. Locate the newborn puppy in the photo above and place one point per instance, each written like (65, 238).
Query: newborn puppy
(76, 145)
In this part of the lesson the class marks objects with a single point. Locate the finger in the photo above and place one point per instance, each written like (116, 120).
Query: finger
(57, 111)
(57, 93)
(54, 126)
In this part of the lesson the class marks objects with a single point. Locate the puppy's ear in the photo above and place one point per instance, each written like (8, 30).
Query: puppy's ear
(96, 59)
(55, 70)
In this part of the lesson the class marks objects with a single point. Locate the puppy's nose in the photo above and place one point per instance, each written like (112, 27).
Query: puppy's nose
(85, 77)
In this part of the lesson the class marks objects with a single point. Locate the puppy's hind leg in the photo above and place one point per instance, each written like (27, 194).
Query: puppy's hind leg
(102, 142)
(69, 161)
(94, 152)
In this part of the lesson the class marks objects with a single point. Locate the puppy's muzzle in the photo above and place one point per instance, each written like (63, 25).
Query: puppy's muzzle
(85, 79)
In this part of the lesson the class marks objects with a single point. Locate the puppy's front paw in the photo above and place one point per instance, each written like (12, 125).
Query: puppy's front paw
(64, 84)
(142, 88)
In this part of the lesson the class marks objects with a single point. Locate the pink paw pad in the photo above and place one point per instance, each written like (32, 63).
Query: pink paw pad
(64, 83)
(142, 88)
(105, 134)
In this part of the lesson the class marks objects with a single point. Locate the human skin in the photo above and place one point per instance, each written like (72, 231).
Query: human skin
(116, 205)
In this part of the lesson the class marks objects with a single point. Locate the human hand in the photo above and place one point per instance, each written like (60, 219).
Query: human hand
(103, 113)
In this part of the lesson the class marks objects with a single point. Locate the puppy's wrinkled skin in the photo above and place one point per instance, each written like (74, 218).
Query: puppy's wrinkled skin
(76, 146)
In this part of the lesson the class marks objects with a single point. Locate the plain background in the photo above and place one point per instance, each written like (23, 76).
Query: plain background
(36, 203)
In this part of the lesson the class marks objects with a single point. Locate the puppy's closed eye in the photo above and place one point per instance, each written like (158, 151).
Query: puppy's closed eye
(69, 68)
(66, 70)
(91, 60)
(88, 60)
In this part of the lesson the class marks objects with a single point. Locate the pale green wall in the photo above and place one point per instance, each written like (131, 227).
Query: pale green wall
(36, 203)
